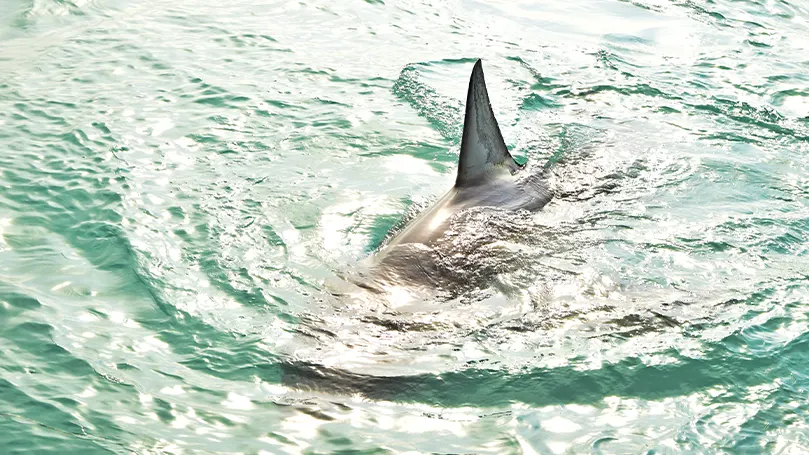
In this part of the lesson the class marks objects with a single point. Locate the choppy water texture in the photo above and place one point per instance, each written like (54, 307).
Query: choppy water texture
(183, 186)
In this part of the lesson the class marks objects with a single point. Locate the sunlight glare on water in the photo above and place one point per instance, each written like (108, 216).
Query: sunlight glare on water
(191, 192)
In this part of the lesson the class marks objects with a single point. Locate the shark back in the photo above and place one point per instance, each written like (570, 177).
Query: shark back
(487, 173)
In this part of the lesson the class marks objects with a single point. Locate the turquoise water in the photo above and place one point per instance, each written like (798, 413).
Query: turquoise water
(183, 186)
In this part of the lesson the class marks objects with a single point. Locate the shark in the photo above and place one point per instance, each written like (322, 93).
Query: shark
(441, 254)
(487, 176)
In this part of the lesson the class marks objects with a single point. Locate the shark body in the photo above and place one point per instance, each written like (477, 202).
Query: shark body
(487, 176)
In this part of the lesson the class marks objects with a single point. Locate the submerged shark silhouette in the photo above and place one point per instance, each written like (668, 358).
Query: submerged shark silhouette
(487, 176)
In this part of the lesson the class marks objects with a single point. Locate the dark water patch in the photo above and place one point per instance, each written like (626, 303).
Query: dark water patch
(535, 101)
(35, 338)
(229, 101)
(787, 243)
(16, 300)
(313, 71)
(697, 246)
(202, 89)
(779, 97)
(668, 110)
(614, 62)
(450, 61)
(725, 137)
(423, 150)
(250, 40)
(219, 361)
(704, 14)
(329, 102)
(200, 344)
(379, 230)
(17, 432)
(765, 118)
(54, 407)
(443, 113)
(757, 44)
(342, 124)
(649, 7)
(635, 89)
(42, 115)
(204, 138)
(542, 83)
(105, 245)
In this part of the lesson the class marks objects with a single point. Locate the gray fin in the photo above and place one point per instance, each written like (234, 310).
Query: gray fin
(482, 146)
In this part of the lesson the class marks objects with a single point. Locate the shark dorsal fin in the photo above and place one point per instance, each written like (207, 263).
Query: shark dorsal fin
(482, 147)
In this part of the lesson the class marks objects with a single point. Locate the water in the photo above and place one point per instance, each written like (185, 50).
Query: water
(183, 186)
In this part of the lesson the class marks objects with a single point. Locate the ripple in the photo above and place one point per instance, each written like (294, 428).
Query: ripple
(188, 194)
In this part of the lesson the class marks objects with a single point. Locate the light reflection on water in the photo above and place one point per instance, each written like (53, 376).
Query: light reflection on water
(187, 192)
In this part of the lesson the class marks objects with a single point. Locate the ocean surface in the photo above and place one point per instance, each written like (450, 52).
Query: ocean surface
(185, 187)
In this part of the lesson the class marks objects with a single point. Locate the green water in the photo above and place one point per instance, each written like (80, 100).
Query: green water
(182, 183)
